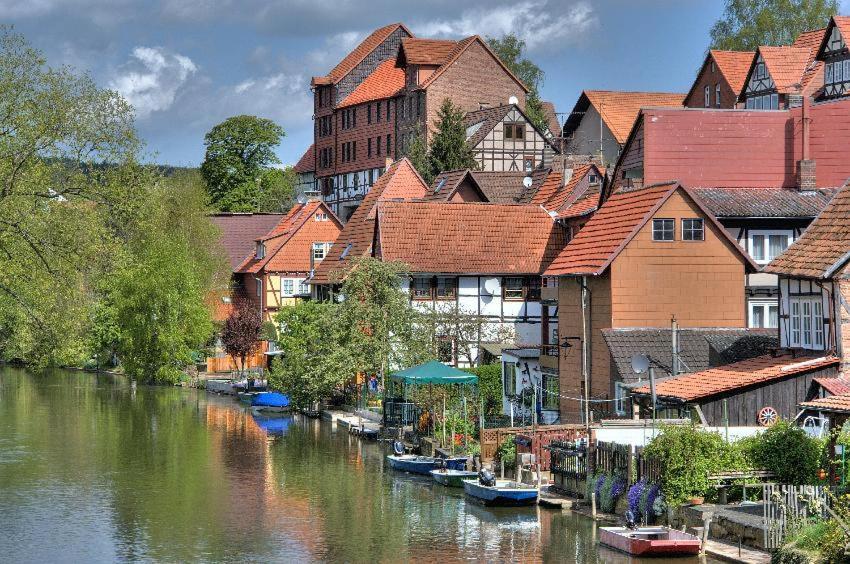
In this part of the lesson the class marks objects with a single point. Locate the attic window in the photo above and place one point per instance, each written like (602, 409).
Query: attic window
(345, 252)
(663, 229)
(515, 131)
(321, 217)
(440, 185)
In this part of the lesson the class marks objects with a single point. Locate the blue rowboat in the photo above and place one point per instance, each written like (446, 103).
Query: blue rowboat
(421, 464)
(452, 478)
(505, 492)
(270, 401)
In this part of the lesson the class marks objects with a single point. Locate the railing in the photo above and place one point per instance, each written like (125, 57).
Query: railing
(400, 413)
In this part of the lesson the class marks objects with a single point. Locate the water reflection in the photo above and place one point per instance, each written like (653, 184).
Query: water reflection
(94, 470)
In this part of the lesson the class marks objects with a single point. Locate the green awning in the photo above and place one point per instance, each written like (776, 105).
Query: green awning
(434, 372)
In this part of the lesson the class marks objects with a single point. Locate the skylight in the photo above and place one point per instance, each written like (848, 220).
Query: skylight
(440, 185)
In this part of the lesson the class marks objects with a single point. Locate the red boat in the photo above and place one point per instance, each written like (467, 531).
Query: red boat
(650, 541)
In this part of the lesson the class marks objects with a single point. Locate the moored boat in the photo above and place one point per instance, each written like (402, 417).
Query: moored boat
(422, 464)
(452, 478)
(650, 541)
(270, 401)
(502, 492)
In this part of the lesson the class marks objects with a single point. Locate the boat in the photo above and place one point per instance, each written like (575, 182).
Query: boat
(247, 397)
(451, 477)
(422, 464)
(270, 401)
(650, 541)
(503, 492)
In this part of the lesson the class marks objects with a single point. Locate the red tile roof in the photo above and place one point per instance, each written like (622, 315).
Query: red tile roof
(736, 376)
(787, 66)
(836, 404)
(843, 25)
(734, 65)
(433, 52)
(468, 238)
(620, 109)
(359, 53)
(399, 182)
(824, 247)
(571, 200)
(239, 232)
(384, 82)
(307, 162)
(810, 39)
(834, 386)
(275, 261)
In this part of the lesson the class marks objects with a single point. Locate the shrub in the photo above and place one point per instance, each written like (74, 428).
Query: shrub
(489, 386)
(610, 493)
(786, 450)
(645, 501)
(507, 452)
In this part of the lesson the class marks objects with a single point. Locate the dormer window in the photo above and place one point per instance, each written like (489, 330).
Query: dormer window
(261, 250)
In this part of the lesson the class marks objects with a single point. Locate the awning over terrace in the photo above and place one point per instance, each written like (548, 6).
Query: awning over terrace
(434, 372)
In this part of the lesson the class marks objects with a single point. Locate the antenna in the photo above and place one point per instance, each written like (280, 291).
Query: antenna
(527, 181)
(640, 363)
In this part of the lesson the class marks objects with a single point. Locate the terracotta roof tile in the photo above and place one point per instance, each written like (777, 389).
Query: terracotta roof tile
(809, 39)
(834, 386)
(487, 118)
(786, 65)
(433, 52)
(468, 238)
(307, 162)
(551, 117)
(823, 247)
(734, 65)
(765, 202)
(574, 199)
(399, 182)
(384, 82)
(619, 110)
(736, 376)
(239, 232)
(838, 404)
(356, 56)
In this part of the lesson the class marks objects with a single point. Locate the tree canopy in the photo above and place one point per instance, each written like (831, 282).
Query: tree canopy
(746, 24)
(449, 149)
(242, 330)
(510, 50)
(240, 150)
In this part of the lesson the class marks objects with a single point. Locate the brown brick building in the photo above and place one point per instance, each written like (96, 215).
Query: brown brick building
(720, 79)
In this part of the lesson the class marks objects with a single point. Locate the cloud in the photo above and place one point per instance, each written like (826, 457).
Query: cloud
(531, 20)
(152, 79)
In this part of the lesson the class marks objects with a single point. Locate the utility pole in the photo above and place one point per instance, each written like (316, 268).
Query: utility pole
(674, 337)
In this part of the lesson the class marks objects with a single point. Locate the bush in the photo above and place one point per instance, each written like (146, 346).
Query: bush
(507, 452)
(489, 386)
(689, 456)
(786, 450)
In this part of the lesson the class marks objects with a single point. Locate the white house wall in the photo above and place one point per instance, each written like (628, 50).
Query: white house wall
(495, 153)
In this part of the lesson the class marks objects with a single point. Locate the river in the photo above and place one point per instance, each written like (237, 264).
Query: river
(92, 470)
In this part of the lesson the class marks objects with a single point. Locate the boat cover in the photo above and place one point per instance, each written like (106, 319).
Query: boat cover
(270, 399)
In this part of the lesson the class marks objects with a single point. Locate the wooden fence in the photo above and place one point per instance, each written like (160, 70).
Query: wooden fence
(571, 464)
(540, 437)
(786, 508)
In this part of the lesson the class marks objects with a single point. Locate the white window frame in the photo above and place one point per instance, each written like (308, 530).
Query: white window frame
(620, 398)
(807, 330)
(701, 228)
(707, 94)
(663, 229)
(287, 287)
(320, 250)
(765, 306)
(717, 95)
(766, 233)
(303, 287)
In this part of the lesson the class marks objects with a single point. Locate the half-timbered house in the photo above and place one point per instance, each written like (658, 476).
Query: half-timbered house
(780, 76)
(835, 56)
(502, 138)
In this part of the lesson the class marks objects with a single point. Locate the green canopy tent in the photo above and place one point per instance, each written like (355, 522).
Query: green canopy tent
(435, 372)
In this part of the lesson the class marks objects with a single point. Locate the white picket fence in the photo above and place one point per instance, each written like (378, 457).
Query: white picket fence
(788, 507)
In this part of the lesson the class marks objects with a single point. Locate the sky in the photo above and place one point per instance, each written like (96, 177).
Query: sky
(186, 65)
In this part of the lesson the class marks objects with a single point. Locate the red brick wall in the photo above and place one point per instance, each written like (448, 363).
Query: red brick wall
(361, 133)
(708, 78)
(843, 287)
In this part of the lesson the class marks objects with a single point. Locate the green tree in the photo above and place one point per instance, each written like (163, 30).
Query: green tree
(510, 50)
(449, 149)
(68, 181)
(316, 356)
(418, 156)
(786, 450)
(157, 293)
(746, 24)
(239, 150)
(385, 332)
(277, 190)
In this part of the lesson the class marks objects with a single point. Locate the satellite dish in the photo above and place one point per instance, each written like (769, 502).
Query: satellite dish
(491, 286)
(527, 181)
(302, 198)
(513, 100)
(640, 363)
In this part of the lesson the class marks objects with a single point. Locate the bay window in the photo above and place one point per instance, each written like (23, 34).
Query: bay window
(807, 322)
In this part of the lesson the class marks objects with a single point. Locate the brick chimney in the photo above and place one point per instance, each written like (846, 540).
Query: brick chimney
(806, 177)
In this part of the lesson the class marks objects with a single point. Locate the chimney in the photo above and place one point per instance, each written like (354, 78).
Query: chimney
(806, 178)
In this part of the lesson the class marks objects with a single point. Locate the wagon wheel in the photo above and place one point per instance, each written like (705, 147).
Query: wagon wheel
(767, 416)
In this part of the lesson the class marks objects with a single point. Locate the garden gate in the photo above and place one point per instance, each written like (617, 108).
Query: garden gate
(788, 507)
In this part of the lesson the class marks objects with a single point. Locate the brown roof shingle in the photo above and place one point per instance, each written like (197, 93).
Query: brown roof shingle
(240, 231)
(736, 376)
(824, 247)
(399, 182)
(433, 52)
(384, 82)
(468, 238)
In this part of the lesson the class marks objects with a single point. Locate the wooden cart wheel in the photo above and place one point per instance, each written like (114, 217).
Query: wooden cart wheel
(767, 416)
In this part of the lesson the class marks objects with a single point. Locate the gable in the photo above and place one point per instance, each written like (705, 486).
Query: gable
(759, 79)
(475, 59)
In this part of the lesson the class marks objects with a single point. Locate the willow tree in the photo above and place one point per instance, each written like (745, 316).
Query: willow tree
(68, 181)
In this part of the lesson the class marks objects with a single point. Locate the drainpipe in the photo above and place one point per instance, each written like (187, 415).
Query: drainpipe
(674, 337)
(585, 351)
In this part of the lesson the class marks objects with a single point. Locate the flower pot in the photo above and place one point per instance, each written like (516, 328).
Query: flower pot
(697, 500)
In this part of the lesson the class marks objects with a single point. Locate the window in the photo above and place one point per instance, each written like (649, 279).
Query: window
(533, 292)
(807, 322)
(515, 131)
(258, 283)
(717, 95)
(763, 314)
(663, 229)
(287, 287)
(369, 147)
(421, 288)
(378, 110)
(509, 378)
(551, 391)
(320, 250)
(388, 145)
(692, 230)
(368, 113)
(764, 246)
(528, 164)
(303, 287)
(713, 67)
(321, 216)
(620, 398)
(707, 93)
(446, 288)
(354, 150)
(378, 145)
(388, 110)
(512, 288)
